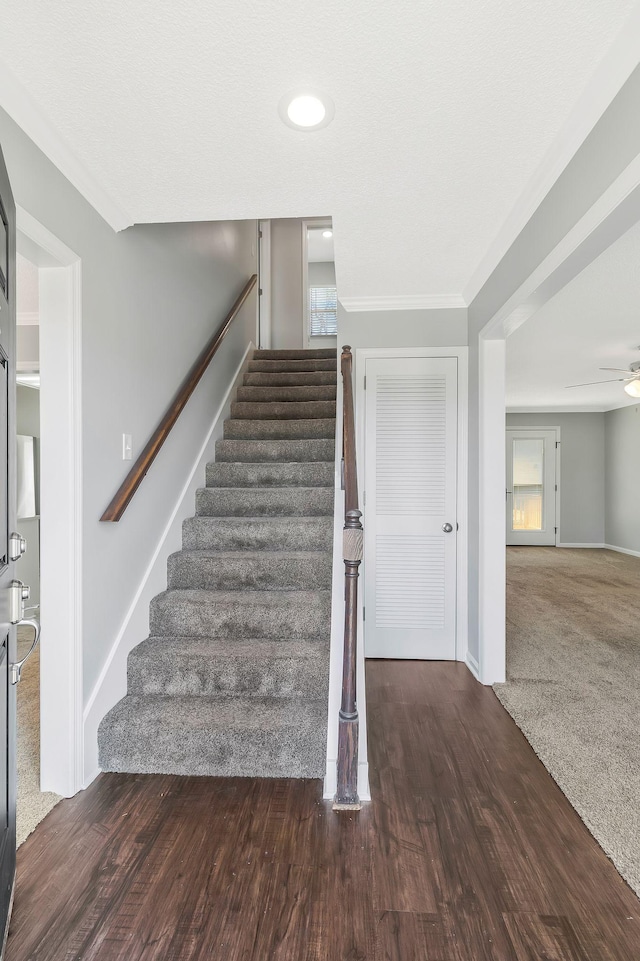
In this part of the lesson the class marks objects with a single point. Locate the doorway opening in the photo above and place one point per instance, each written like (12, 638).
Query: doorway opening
(49, 449)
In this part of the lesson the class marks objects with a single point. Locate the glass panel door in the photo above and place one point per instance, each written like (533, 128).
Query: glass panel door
(531, 486)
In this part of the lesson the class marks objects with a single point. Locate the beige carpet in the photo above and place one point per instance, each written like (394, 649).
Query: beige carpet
(573, 683)
(32, 805)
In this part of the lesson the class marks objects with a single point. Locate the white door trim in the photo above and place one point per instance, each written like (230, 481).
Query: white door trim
(461, 354)
(558, 461)
(264, 285)
(311, 222)
(61, 688)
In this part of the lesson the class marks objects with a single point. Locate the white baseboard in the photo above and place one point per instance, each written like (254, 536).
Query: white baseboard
(473, 665)
(590, 546)
(111, 685)
(621, 550)
(331, 782)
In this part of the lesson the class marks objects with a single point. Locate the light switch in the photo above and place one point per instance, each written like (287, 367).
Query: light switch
(127, 447)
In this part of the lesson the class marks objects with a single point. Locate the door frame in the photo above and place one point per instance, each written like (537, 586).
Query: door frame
(264, 285)
(461, 354)
(558, 449)
(61, 684)
(309, 222)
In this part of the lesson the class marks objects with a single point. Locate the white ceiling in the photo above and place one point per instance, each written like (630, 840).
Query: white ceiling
(444, 109)
(592, 322)
(319, 248)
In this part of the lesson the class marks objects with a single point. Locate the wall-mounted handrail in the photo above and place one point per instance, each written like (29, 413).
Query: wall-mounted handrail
(134, 478)
(352, 541)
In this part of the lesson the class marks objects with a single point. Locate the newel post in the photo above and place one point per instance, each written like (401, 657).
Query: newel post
(348, 725)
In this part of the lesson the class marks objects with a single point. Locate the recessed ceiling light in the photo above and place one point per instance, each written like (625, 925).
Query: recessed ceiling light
(306, 110)
(327, 233)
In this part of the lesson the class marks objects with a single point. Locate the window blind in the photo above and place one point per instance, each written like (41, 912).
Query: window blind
(323, 311)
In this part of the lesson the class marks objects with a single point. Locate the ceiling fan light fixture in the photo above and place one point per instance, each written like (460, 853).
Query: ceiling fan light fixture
(633, 388)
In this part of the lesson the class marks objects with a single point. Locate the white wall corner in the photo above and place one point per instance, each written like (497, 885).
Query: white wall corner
(30, 117)
(111, 685)
(473, 665)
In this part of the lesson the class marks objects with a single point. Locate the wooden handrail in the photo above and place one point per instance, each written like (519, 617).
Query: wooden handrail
(352, 541)
(134, 478)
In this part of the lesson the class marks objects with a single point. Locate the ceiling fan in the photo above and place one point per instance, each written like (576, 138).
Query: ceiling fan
(631, 381)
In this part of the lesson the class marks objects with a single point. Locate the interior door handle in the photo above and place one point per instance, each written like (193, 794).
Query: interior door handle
(16, 668)
(447, 528)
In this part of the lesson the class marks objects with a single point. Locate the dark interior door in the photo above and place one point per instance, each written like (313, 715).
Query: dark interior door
(7, 524)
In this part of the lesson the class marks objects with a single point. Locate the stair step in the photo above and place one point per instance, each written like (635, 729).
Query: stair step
(305, 474)
(258, 533)
(290, 366)
(307, 379)
(215, 736)
(279, 429)
(270, 395)
(324, 353)
(244, 614)
(289, 410)
(264, 501)
(206, 667)
(275, 451)
(250, 571)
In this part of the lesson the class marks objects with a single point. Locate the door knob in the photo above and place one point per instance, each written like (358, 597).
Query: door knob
(447, 528)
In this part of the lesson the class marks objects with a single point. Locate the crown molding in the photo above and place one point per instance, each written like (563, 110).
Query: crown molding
(29, 116)
(572, 409)
(404, 302)
(614, 70)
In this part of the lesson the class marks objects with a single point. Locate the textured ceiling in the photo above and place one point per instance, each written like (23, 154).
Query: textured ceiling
(444, 108)
(592, 322)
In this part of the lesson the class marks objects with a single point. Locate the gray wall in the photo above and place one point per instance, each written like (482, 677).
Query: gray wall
(287, 297)
(151, 297)
(622, 459)
(582, 472)
(403, 328)
(322, 274)
(27, 410)
(612, 144)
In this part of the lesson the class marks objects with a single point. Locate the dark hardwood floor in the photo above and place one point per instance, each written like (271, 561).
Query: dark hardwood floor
(468, 852)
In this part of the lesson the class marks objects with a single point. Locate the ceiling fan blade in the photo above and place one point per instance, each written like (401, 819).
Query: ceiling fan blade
(616, 380)
(619, 370)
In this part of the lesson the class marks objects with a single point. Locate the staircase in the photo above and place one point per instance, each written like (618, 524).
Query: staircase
(233, 680)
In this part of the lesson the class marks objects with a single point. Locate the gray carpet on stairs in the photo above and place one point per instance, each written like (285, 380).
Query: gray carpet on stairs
(233, 680)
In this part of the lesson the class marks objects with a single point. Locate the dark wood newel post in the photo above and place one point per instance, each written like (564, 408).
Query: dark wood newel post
(347, 766)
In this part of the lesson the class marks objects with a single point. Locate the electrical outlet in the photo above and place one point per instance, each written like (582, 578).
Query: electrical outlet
(127, 447)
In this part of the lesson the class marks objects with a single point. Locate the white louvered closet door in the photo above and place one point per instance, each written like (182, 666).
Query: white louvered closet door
(410, 486)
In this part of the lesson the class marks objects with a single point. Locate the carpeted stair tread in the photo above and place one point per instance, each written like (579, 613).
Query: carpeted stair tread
(233, 679)
(289, 410)
(305, 474)
(241, 613)
(290, 366)
(215, 736)
(250, 570)
(283, 379)
(285, 451)
(322, 353)
(319, 427)
(264, 501)
(207, 666)
(258, 533)
(271, 395)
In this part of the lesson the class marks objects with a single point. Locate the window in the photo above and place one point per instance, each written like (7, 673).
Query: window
(323, 311)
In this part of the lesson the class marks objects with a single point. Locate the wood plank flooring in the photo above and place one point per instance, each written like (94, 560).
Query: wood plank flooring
(468, 852)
